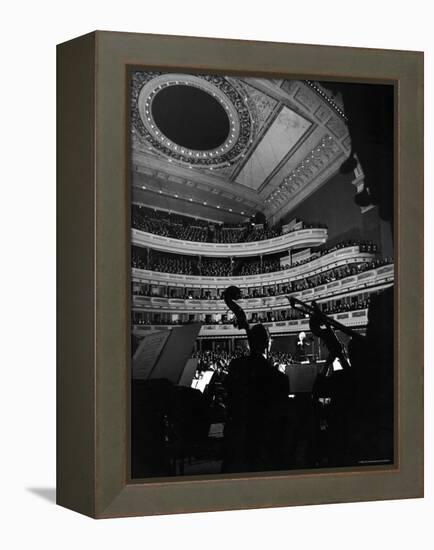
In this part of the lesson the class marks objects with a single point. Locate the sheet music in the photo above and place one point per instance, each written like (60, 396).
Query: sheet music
(175, 353)
(147, 354)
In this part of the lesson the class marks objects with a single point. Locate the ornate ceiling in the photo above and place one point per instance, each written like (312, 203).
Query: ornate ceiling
(223, 148)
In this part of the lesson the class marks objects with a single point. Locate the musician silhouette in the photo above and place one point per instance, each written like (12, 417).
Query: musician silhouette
(257, 414)
(370, 112)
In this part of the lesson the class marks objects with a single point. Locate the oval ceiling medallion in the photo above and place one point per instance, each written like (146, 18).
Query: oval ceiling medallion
(199, 120)
(190, 117)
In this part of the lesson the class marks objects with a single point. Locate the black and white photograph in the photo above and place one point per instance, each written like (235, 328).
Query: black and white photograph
(221, 215)
(262, 274)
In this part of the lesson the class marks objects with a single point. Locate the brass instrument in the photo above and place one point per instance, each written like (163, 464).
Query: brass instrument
(324, 327)
(314, 309)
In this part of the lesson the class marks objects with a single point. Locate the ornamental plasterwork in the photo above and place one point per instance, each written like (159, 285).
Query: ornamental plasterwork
(325, 151)
(145, 86)
(337, 126)
(323, 113)
(306, 98)
(262, 105)
(252, 108)
(329, 112)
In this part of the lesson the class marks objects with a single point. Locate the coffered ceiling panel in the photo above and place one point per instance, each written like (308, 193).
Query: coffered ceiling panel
(283, 134)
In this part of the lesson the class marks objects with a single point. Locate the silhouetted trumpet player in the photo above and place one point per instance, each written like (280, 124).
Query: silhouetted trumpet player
(362, 393)
(332, 424)
(324, 327)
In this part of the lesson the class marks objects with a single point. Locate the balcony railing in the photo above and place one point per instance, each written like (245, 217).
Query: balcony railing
(336, 258)
(376, 278)
(353, 319)
(303, 238)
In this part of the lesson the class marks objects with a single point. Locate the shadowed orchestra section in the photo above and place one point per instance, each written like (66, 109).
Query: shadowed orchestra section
(259, 410)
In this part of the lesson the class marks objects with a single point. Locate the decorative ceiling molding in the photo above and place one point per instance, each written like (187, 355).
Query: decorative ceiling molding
(153, 165)
(262, 128)
(262, 106)
(338, 108)
(162, 190)
(304, 167)
(146, 85)
(325, 151)
(287, 157)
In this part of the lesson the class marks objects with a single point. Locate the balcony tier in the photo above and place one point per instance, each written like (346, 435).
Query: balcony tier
(337, 258)
(354, 319)
(303, 238)
(379, 278)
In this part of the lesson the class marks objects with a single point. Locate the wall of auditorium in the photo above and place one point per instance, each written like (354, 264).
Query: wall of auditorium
(333, 204)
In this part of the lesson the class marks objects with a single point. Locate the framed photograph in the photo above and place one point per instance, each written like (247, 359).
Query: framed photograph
(240, 274)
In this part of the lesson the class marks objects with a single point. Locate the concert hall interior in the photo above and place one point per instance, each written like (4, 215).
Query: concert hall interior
(282, 189)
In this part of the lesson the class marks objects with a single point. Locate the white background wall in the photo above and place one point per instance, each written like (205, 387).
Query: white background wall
(30, 31)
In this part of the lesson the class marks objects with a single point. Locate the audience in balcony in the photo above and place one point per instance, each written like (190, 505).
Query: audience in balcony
(329, 308)
(336, 274)
(254, 267)
(186, 228)
(222, 267)
(364, 247)
(215, 267)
